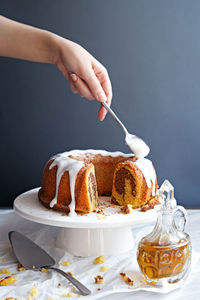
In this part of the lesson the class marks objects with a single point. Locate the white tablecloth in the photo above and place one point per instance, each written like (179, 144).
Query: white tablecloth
(84, 269)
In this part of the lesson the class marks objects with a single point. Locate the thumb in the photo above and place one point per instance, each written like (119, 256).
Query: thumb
(95, 86)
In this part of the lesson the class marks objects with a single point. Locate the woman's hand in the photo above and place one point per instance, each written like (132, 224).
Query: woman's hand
(85, 74)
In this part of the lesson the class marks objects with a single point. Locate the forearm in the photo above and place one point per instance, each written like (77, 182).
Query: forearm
(26, 42)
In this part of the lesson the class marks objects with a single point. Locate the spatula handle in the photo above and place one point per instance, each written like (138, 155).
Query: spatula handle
(83, 289)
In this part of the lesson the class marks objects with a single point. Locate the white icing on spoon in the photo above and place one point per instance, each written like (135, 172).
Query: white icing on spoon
(147, 169)
(137, 145)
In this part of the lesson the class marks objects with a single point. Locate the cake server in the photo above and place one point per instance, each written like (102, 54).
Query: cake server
(32, 257)
(136, 144)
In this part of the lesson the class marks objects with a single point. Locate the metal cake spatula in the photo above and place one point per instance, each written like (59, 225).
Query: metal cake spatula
(32, 257)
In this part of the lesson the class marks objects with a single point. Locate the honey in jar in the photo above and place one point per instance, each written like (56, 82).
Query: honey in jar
(165, 253)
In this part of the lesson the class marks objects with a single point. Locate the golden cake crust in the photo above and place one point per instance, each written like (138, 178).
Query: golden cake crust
(99, 175)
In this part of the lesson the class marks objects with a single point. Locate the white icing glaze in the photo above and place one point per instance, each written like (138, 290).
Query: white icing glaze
(137, 145)
(65, 163)
(147, 169)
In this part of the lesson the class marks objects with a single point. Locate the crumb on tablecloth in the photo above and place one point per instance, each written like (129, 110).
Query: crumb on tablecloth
(5, 271)
(65, 263)
(126, 278)
(20, 268)
(43, 270)
(99, 260)
(103, 269)
(8, 280)
(98, 279)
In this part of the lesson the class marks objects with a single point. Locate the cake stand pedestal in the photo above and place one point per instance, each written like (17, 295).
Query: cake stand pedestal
(85, 235)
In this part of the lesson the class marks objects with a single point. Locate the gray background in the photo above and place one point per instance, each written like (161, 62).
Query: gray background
(152, 52)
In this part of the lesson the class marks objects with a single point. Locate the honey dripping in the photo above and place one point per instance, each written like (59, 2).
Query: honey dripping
(165, 253)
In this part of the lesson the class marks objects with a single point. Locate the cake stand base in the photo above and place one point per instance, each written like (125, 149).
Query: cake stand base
(95, 242)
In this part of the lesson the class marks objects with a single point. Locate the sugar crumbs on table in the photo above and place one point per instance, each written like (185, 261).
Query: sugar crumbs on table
(20, 268)
(43, 270)
(98, 279)
(103, 269)
(68, 295)
(5, 271)
(99, 260)
(74, 289)
(126, 278)
(65, 263)
(8, 280)
(33, 291)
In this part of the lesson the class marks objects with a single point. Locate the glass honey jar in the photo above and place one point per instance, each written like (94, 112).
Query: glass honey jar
(165, 253)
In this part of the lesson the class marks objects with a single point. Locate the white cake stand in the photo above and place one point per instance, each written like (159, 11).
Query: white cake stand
(86, 235)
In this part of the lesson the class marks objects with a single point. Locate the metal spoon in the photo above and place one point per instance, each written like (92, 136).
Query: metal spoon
(32, 257)
(136, 144)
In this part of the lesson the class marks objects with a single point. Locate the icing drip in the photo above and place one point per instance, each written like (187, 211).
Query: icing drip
(65, 163)
(146, 167)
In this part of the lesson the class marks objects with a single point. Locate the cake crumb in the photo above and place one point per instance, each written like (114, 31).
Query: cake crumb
(5, 271)
(11, 298)
(8, 280)
(33, 291)
(150, 204)
(151, 283)
(98, 279)
(98, 289)
(103, 269)
(101, 217)
(50, 298)
(68, 295)
(65, 263)
(59, 285)
(43, 270)
(126, 209)
(20, 268)
(126, 279)
(70, 273)
(64, 214)
(99, 260)
(74, 290)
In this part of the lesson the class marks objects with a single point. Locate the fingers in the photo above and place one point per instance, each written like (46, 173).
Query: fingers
(81, 87)
(103, 77)
(94, 85)
(72, 86)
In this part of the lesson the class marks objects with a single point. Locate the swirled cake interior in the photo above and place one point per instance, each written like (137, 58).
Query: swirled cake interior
(72, 181)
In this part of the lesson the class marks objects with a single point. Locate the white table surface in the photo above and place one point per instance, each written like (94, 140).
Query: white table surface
(113, 288)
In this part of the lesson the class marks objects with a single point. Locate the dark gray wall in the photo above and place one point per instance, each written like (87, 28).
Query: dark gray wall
(152, 52)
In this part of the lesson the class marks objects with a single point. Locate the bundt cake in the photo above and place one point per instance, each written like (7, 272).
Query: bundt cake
(72, 181)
